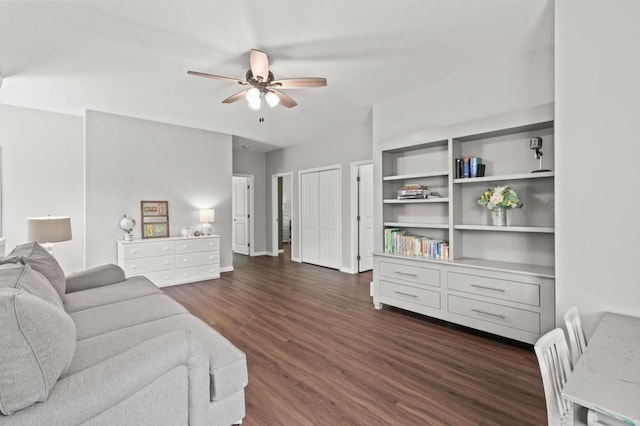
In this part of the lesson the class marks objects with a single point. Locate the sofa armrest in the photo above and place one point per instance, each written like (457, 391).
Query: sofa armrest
(95, 277)
(82, 396)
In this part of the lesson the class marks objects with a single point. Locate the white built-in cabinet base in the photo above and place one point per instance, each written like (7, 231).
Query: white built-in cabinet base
(173, 260)
(517, 305)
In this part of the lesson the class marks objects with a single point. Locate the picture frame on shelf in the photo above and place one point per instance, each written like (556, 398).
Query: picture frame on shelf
(155, 219)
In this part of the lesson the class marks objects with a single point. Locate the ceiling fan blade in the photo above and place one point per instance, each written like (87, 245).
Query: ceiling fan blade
(217, 77)
(259, 64)
(285, 100)
(236, 97)
(299, 83)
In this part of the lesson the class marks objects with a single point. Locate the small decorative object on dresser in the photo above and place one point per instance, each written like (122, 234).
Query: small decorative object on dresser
(155, 219)
(498, 200)
(127, 224)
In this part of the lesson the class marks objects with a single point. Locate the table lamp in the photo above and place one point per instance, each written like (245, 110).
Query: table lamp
(48, 230)
(207, 216)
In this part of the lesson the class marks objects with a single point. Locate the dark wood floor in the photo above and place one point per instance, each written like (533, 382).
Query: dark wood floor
(319, 353)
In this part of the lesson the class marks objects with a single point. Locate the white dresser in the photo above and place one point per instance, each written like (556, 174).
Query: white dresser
(171, 261)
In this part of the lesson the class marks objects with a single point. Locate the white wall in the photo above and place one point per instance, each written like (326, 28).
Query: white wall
(344, 148)
(129, 160)
(503, 86)
(598, 151)
(255, 163)
(42, 174)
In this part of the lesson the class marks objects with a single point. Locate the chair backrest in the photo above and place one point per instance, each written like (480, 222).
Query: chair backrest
(577, 340)
(553, 356)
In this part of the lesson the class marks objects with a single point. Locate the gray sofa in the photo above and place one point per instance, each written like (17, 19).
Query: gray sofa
(98, 349)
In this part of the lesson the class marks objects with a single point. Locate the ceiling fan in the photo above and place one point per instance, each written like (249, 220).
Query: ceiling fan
(263, 84)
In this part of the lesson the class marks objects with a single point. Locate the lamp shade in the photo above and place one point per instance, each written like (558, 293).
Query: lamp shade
(207, 215)
(50, 229)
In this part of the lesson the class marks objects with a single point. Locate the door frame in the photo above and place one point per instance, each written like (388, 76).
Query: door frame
(274, 211)
(251, 212)
(353, 215)
(320, 169)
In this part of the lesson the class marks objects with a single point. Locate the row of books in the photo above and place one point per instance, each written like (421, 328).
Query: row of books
(397, 241)
(413, 191)
(468, 167)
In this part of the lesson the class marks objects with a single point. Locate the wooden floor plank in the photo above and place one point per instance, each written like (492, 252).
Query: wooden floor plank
(318, 353)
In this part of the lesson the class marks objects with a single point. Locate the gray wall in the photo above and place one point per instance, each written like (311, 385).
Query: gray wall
(597, 180)
(129, 160)
(254, 163)
(344, 148)
(42, 174)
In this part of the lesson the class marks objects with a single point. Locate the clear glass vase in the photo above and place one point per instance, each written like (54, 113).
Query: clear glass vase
(499, 216)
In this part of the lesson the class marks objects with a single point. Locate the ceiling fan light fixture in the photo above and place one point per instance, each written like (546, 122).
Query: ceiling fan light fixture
(253, 94)
(272, 99)
(255, 104)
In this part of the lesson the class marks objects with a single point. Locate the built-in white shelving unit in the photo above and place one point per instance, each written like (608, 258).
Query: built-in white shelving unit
(496, 278)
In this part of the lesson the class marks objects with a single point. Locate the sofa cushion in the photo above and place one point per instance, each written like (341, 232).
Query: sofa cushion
(38, 343)
(132, 288)
(227, 364)
(40, 260)
(114, 316)
(21, 276)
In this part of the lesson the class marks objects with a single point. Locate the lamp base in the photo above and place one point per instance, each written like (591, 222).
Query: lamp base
(206, 229)
(128, 237)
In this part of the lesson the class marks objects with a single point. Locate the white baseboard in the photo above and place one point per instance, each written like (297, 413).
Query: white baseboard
(260, 253)
(226, 269)
(280, 251)
(348, 270)
(296, 259)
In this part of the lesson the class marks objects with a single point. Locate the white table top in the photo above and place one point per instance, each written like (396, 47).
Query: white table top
(607, 377)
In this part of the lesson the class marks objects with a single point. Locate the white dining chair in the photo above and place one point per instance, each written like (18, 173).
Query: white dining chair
(553, 356)
(577, 339)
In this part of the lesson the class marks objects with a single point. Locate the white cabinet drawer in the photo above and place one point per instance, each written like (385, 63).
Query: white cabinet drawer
(514, 291)
(160, 248)
(195, 245)
(197, 259)
(416, 274)
(198, 273)
(497, 314)
(411, 294)
(148, 264)
(162, 278)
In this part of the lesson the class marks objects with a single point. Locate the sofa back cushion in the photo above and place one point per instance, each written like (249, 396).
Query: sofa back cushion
(19, 276)
(38, 342)
(40, 260)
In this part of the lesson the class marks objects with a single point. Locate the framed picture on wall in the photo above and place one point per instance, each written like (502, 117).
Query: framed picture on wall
(155, 219)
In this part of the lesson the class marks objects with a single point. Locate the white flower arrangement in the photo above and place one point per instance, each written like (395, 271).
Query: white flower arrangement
(500, 197)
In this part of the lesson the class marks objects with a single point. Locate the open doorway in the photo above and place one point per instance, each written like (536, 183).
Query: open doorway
(281, 211)
(242, 213)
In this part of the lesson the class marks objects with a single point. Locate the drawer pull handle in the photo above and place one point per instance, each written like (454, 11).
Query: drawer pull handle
(185, 246)
(166, 249)
(184, 260)
(478, 311)
(415, 296)
(133, 266)
(488, 288)
(406, 274)
(166, 262)
(133, 250)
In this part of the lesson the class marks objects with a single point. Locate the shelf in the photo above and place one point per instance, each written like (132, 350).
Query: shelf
(520, 268)
(417, 201)
(518, 176)
(417, 225)
(416, 176)
(532, 229)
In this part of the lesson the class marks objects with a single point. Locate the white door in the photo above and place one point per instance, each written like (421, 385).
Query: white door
(365, 218)
(309, 217)
(329, 199)
(240, 202)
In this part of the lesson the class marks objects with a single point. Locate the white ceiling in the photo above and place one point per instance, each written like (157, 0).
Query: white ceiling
(131, 57)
